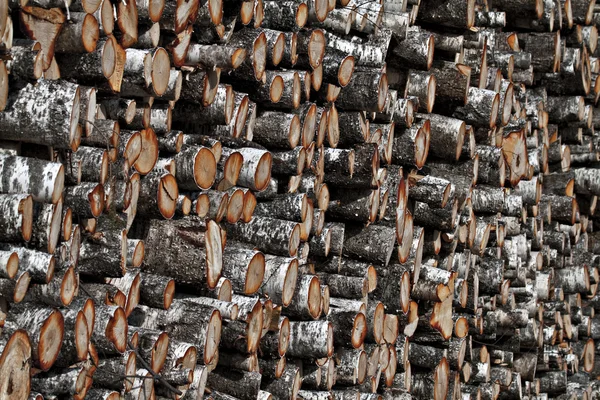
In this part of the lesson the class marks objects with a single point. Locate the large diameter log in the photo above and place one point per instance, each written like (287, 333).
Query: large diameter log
(374, 243)
(195, 168)
(50, 108)
(46, 329)
(193, 255)
(255, 44)
(105, 255)
(42, 179)
(15, 353)
(274, 236)
(280, 278)
(203, 331)
(365, 91)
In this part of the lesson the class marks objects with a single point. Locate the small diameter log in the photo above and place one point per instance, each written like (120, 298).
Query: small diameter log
(292, 207)
(16, 221)
(256, 169)
(411, 145)
(429, 189)
(282, 237)
(349, 327)
(255, 44)
(86, 199)
(455, 13)
(481, 108)
(311, 339)
(374, 243)
(107, 369)
(306, 301)
(416, 51)
(191, 242)
(356, 205)
(277, 130)
(39, 265)
(446, 135)
(14, 290)
(452, 81)
(195, 168)
(68, 382)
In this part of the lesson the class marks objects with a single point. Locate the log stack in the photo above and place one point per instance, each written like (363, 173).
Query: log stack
(316, 199)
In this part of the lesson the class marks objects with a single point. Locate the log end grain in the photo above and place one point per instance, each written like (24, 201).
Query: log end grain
(15, 367)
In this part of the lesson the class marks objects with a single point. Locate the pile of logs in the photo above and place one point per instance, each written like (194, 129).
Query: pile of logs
(315, 199)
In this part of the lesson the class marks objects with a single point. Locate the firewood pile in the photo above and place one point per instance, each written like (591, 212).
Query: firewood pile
(312, 199)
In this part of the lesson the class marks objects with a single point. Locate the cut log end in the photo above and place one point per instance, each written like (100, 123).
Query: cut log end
(346, 70)
(422, 140)
(255, 274)
(82, 336)
(205, 168)
(284, 336)
(50, 340)
(431, 89)
(214, 254)
(15, 367)
(161, 70)
(301, 15)
(294, 241)
(314, 298)
(69, 286)
(259, 51)
(167, 196)
(202, 205)
(235, 206)
(289, 283)
(12, 265)
(21, 287)
(116, 330)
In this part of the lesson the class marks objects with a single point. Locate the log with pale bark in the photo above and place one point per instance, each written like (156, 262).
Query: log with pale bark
(334, 199)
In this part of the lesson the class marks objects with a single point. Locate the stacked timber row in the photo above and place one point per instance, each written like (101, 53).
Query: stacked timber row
(316, 199)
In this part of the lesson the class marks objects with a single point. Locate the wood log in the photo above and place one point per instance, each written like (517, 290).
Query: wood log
(317, 346)
(284, 235)
(46, 329)
(190, 240)
(204, 332)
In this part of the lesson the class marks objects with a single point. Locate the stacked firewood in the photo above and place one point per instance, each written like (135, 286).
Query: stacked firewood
(317, 199)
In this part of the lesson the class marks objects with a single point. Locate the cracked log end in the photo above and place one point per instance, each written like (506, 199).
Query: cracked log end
(15, 368)
(167, 195)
